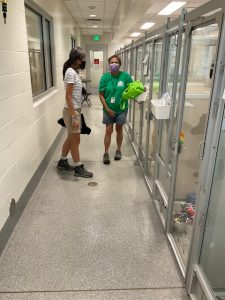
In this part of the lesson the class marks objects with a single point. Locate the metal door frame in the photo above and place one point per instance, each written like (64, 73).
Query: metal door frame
(169, 34)
(192, 25)
(146, 118)
(195, 271)
(99, 47)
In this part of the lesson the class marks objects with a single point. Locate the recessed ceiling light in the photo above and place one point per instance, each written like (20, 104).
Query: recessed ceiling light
(170, 8)
(147, 25)
(95, 26)
(93, 16)
(135, 34)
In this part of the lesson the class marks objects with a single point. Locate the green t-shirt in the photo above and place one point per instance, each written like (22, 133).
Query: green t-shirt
(113, 87)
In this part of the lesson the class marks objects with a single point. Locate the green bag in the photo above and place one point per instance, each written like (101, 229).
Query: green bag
(133, 90)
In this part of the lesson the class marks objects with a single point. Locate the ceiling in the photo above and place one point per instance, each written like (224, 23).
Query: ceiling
(120, 17)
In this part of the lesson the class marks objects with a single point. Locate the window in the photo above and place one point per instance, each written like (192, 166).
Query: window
(40, 50)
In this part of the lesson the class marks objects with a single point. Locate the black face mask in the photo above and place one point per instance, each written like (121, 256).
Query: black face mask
(82, 66)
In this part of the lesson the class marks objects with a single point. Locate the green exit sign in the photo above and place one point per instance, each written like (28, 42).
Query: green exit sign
(96, 37)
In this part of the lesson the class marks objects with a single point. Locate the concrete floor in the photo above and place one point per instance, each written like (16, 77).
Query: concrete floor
(76, 241)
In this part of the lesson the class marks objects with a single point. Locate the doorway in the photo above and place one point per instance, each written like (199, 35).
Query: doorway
(96, 65)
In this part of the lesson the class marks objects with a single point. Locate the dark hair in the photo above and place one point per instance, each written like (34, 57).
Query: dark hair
(114, 56)
(75, 53)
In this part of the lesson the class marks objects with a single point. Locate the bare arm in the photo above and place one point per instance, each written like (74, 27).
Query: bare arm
(109, 111)
(69, 93)
(74, 114)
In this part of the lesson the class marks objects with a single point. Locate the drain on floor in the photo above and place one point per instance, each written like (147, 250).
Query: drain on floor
(92, 183)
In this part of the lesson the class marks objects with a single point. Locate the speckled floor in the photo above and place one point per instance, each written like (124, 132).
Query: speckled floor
(76, 241)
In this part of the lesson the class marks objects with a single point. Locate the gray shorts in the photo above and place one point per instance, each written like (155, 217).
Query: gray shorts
(118, 119)
(68, 121)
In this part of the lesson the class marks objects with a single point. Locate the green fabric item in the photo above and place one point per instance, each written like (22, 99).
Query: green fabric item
(113, 87)
(133, 90)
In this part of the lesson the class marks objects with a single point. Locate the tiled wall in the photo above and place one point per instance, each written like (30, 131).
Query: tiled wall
(27, 128)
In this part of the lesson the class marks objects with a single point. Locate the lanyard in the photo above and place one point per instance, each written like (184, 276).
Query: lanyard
(113, 83)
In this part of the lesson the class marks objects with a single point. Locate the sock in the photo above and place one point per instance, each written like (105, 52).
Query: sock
(63, 157)
(76, 164)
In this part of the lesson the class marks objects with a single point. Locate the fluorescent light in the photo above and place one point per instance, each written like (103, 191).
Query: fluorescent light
(135, 34)
(93, 16)
(95, 26)
(147, 25)
(172, 7)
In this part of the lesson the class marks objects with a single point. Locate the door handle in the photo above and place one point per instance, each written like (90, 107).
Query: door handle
(201, 150)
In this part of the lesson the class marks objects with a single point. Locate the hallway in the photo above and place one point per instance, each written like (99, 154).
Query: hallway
(76, 241)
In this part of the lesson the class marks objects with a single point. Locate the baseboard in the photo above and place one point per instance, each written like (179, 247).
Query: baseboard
(21, 204)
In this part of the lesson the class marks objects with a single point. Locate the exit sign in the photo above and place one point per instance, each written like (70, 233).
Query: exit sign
(96, 37)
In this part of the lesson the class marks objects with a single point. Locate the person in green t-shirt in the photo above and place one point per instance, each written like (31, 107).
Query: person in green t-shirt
(111, 87)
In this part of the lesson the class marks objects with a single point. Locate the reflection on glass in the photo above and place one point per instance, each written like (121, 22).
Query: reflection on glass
(157, 67)
(35, 49)
(48, 56)
(146, 82)
(139, 63)
(137, 106)
(122, 61)
(129, 71)
(213, 249)
(165, 178)
(174, 120)
(133, 70)
(170, 77)
(129, 62)
(153, 124)
(197, 100)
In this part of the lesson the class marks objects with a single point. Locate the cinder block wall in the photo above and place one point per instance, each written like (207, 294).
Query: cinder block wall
(27, 128)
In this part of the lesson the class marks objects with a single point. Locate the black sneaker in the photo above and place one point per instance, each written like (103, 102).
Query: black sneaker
(118, 155)
(106, 159)
(80, 171)
(64, 165)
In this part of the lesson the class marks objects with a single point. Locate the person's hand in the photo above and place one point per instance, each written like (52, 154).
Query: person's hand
(76, 123)
(111, 113)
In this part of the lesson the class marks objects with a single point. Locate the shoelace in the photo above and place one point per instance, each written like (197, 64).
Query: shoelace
(83, 168)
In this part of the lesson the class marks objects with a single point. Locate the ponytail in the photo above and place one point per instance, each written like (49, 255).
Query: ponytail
(66, 65)
(75, 53)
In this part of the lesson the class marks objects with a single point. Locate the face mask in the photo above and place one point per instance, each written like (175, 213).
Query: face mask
(82, 66)
(114, 67)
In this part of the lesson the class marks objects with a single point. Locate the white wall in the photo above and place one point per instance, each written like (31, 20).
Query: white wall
(116, 46)
(106, 39)
(27, 129)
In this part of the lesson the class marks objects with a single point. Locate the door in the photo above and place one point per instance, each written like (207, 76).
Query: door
(96, 68)
(212, 258)
(168, 125)
(145, 116)
(137, 106)
(96, 65)
(202, 56)
(157, 59)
